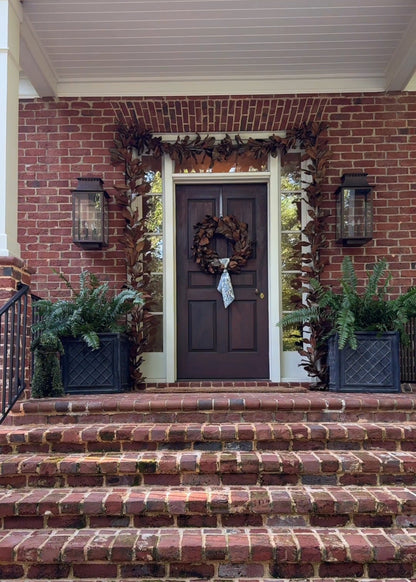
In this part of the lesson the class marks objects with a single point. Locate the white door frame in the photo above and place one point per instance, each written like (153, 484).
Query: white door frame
(271, 178)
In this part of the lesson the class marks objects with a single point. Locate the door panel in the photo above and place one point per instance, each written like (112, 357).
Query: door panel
(241, 319)
(202, 317)
(214, 342)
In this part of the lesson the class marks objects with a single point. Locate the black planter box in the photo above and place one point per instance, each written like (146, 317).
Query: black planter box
(87, 371)
(373, 367)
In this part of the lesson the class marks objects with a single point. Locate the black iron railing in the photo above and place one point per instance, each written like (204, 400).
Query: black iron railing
(408, 354)
(13, 346)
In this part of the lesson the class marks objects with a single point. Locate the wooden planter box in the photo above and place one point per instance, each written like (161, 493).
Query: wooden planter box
(87, 371)
(373, 367)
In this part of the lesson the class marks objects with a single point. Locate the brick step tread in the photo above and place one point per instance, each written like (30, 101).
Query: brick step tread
(343, 579)
(236, 545)
(211, 409)
(213, 417)
(127, 506)
(147, 402)
(208, 468)
(269, 435)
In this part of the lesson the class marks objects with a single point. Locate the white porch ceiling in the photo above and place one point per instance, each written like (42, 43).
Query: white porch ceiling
(201, 47)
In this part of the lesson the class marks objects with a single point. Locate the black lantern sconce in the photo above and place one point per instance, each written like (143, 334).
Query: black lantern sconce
(354, 211)
(90, 214)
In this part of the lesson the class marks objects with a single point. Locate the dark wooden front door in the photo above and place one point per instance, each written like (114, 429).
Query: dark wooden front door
(214, 342)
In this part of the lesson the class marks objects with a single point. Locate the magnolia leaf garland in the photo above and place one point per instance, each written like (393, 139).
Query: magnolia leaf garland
(231, 229)
(132, 141)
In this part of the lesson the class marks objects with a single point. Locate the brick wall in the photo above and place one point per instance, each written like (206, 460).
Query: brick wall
(62, 139)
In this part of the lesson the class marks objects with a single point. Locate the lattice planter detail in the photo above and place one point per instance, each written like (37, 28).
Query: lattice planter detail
(87, 371)
(373, 367)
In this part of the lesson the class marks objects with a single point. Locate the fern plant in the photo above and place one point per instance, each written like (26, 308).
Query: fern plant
(90, 311)
(350, 310)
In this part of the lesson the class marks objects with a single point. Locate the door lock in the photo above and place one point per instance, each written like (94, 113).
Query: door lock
(259, 293)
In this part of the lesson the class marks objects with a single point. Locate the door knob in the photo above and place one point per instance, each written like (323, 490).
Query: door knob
(259, 293)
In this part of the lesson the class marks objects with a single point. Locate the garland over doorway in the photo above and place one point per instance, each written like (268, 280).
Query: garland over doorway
(132, 142)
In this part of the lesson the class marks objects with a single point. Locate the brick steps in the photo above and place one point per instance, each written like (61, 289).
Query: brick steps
(223, 487)
(208, 468)
(236, 552)
(223, 407)
(215, 437)
(208, 507)
(235, 580)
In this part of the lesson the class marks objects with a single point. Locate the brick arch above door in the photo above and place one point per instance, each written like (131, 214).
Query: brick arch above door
(224, 114)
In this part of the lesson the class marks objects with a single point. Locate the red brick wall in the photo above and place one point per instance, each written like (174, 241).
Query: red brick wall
(62, 139)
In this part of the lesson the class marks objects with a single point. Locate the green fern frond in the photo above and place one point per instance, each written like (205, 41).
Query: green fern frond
(349, 277)
(345, 323)
(91, 339)
(301, 316)
(373, 288)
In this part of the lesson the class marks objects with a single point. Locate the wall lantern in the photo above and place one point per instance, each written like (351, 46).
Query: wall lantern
(354, 211)
(90, 214)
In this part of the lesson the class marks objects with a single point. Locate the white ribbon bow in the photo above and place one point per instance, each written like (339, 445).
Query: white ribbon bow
(225, 286)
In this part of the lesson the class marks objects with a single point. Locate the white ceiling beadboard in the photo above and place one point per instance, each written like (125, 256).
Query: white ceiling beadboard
(168, 47)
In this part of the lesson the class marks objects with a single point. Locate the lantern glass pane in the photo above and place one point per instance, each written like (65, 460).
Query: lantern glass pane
(104, 231)
(89, 216)
(355, 213)
(340, 218)
(368, 216)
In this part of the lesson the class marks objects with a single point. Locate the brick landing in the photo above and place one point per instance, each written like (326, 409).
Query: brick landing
(236, 485)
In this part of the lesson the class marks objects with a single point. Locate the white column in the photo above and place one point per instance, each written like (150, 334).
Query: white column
(10, 19)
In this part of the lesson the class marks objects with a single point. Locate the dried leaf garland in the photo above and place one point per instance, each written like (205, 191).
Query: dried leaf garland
(132, 141)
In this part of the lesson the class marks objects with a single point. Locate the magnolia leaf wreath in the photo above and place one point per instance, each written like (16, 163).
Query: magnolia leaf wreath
(209, 261)
(230, 228)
